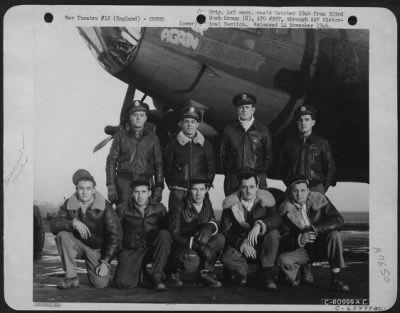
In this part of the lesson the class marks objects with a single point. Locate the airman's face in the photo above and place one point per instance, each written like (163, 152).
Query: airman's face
(190, 126)
(299, 193)
(245, 112)
(249, 189)
(141, 195)
(197, 193)
(85, 190)
(138, 119)
(305, 123)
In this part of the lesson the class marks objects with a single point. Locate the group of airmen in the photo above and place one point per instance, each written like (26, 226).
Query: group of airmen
(279, 237)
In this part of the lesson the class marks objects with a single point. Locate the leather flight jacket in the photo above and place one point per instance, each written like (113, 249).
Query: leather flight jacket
(310, 156)
(100, 218)
(183, 162)
(140, 230)
(184, 221)
(242, 150)
(135, 156)
(322, 215)
(236, 222)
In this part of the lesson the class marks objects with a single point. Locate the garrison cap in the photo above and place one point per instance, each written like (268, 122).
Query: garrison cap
(137, 105)
(297, 180)
(190, 112)
(82, 174)
(305, 110)
(244, 98)
(140, 180)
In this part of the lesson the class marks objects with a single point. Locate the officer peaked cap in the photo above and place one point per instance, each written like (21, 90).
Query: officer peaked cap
(137, 105)
(190, 112)
(305, 110)
(244, 98)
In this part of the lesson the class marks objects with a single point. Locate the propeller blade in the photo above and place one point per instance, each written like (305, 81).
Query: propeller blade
(102, 143)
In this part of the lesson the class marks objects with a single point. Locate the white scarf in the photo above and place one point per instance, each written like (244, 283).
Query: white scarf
(247, 204)
(197, 206)
(246, 124)
(303, 210)
(84, 206)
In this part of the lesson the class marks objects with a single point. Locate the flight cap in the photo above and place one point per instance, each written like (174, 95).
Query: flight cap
(190, 112)
(82, 174)
(244, 98)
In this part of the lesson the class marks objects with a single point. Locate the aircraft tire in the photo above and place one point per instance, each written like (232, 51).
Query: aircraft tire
(38, 232)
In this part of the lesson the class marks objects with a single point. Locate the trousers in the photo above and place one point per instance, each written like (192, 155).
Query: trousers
(267, 250)
(132, 261)
(328, 246)
(191, 260)
(70, 248)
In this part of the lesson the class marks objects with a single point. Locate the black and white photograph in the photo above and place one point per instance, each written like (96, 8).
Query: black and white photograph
(208, 163)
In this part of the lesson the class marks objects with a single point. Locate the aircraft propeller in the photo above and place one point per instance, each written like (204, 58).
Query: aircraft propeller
(111, 130)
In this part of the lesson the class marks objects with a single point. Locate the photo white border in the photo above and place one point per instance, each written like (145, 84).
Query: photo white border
(21, 22)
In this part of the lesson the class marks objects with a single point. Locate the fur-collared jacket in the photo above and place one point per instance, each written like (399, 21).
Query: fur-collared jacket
(186, 158)
(236, 221)
(322, 215)
(99, 217)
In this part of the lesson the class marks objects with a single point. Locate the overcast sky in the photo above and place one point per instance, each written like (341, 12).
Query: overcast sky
(74, 99)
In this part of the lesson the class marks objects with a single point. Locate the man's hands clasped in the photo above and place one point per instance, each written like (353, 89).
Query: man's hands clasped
(308, 237)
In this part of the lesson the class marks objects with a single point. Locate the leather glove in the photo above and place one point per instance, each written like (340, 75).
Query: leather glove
(112, 193)
(205, 232)
(157, 194)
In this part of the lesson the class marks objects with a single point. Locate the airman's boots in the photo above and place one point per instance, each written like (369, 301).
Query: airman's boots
(210, 279)
(68, 283)
(337, 284)
(268, 282)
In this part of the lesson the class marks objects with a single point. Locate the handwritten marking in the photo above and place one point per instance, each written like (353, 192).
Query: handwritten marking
(48, 304)
(381, 261)
(19, 165)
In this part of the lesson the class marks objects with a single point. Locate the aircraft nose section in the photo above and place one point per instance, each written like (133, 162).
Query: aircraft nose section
(114, 47)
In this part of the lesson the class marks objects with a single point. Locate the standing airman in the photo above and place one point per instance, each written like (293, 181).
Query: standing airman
(246, 145)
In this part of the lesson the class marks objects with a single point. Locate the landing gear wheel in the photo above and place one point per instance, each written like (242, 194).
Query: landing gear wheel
(38, 233)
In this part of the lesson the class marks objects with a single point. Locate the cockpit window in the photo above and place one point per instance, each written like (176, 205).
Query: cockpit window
(113, 47)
